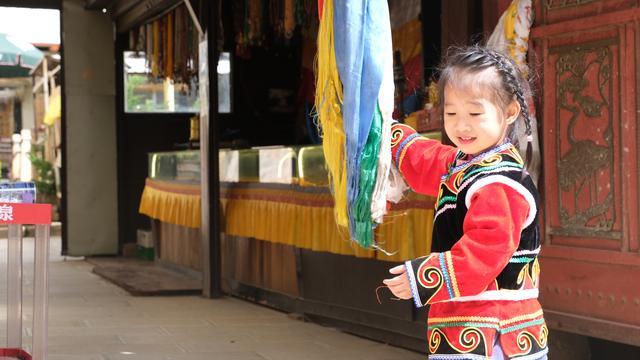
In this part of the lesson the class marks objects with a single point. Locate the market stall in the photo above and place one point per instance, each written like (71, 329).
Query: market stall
(279, 242)
(278, 195)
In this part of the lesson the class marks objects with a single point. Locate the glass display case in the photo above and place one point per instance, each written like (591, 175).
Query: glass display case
(262, 192)
(266, 165)
(303, 165)
(183, 166)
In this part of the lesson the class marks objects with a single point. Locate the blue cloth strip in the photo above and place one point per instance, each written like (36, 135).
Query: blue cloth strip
(362, 31)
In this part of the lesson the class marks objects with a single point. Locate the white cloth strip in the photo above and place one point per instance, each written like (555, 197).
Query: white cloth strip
(536, 356)
(497, 295)
(456, 357)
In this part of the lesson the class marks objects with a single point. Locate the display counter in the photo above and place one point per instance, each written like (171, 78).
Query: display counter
(171, 198)
(172, 189)
(279, 241)
(280, 195)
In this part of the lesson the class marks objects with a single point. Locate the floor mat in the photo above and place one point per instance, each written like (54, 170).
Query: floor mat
(145, 278)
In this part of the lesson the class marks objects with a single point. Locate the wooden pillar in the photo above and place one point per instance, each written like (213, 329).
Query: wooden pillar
(455, 23)
(491, 12)
(431, 17)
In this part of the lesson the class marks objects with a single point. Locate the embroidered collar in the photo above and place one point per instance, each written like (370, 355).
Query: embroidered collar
(460, 155)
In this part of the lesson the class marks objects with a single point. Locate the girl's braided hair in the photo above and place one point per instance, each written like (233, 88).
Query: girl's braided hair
(508, 86)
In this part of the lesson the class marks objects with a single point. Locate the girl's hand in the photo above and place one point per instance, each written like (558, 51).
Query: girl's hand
(399, 285)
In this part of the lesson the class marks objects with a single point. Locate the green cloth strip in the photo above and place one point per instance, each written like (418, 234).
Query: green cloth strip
(361, 208)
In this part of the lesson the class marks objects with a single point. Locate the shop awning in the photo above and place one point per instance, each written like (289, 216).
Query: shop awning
(17, 57)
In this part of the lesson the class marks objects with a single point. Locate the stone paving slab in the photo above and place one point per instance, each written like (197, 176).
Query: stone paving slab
(92, 319)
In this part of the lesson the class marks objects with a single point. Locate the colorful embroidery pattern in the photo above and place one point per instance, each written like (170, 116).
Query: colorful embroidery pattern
(402, 137)
(529, 343)
(452, 274)
(469, 340)
(493, 322)
(429, 278)
(458, 335)
(477, 159)
(397, 133)
(402, 148)
(446, 266)
(502, 159)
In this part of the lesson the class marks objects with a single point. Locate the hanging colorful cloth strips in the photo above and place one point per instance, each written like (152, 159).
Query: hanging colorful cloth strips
(155, 59)
(168, 57)
(354, 102)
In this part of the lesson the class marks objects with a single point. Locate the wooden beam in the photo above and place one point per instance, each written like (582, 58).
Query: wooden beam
(98, 4)
(594, 22)
(141, 12)
(122, 6)
(590, 326)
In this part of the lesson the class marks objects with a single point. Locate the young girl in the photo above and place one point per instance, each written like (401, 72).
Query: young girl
(481, 279)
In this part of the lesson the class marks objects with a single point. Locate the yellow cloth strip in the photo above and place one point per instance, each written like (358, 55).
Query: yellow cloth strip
(306, 227)
(55, 107)
(328, 99)
(172, 203)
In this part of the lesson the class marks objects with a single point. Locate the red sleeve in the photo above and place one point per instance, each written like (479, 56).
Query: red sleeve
(421, 161)
(492, 228)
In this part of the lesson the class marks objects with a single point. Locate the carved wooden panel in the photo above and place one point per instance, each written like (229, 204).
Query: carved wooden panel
(553, 11)
(588, 92)
(582, 110)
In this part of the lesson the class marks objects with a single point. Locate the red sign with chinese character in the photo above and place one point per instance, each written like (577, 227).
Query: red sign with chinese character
(15, 213)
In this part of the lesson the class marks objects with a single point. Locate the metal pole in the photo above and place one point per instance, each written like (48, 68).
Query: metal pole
(215, 255)
(209, 146)
(41, 292)
(205, 116)
(14, 287)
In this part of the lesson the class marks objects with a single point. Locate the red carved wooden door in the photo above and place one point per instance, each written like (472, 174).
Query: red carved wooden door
(588, 55)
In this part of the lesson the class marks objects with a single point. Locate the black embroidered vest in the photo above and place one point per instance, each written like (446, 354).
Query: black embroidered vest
(500, 164)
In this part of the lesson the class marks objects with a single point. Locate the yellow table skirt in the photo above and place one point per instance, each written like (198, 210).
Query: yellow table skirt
(303, 217)
(295, 215)
(171, 202)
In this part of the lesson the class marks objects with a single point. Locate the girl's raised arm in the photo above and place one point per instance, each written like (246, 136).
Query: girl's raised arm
(421, 161)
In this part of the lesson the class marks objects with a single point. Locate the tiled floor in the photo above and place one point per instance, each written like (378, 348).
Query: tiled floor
(92, 319)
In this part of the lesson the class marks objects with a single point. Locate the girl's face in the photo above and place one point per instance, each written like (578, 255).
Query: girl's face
(473, 122)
